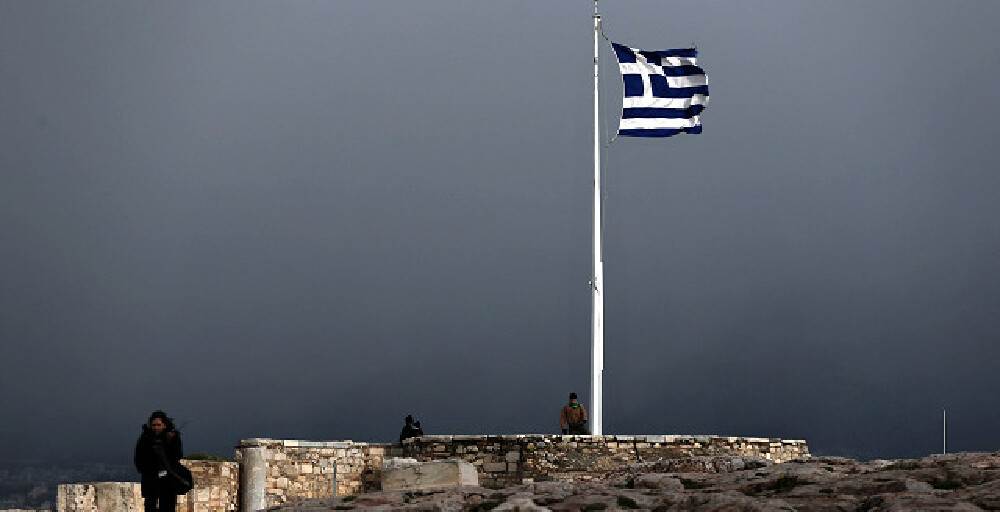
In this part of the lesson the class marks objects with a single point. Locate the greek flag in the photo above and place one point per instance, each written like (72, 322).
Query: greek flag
(665, 92)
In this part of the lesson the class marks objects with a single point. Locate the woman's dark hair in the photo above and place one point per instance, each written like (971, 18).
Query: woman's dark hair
(162, 417)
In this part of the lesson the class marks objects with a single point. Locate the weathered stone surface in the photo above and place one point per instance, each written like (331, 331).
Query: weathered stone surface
(495, 467)
(253, 478)
(430, 475)
(659, 481)
(398, 462)
(537, 457)
(963, 482)
(99, 497)
(520, 505)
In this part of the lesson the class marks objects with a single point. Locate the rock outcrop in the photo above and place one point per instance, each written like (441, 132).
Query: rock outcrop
(960, 482)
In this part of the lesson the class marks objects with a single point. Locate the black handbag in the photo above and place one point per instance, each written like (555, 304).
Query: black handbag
(181, 479)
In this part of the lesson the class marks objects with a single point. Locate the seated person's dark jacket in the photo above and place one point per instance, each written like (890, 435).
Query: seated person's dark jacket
(408, 432)
(155, 453)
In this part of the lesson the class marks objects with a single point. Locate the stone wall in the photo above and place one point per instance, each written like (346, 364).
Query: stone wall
(99, 497)
(270, 472)
(276, 471)
(513, 459)
(216, 490)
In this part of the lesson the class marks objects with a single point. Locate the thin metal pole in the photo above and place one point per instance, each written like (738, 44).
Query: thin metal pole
(597, 281)
(944, 431)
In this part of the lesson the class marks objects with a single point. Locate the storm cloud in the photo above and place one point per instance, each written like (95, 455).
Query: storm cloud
(309, 219)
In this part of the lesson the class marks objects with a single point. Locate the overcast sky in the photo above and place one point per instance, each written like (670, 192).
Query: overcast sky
(309, 219)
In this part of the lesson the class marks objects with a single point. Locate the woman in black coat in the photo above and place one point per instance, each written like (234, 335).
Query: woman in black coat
(157, 455)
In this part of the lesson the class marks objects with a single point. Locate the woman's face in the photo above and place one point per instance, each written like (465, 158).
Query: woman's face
(157, 425)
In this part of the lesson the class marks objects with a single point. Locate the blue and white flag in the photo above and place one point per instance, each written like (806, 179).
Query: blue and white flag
(665, 92)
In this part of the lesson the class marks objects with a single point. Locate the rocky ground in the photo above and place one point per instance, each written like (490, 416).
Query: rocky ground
(957, 482)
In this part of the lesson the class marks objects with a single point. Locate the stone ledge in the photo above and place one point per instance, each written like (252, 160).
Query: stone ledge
(299, 443)
(672, 438)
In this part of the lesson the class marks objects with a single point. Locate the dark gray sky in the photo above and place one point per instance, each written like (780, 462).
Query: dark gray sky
(308, 219)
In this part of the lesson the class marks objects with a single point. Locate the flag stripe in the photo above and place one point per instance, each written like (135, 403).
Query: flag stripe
(677, 82)
(658, 132)
(653, 69)
(671, 92)
(646, 124)
(665, 113)
(626, 54)
(644, 102)
(679, 52)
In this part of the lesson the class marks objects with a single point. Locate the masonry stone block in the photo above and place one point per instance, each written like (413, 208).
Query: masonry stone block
(493, 467)
(430, 475)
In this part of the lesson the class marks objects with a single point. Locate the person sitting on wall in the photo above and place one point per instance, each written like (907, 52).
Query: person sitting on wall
(158, 455)
(418, 430)
(409, 430)
(573, 417)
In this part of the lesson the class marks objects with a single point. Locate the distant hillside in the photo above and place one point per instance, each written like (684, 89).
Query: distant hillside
(32, 485)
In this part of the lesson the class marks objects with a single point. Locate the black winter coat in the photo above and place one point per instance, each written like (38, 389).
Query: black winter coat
(155, 453)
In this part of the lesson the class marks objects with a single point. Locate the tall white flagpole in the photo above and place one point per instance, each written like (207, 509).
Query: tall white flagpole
(597, 280)
(944, 431)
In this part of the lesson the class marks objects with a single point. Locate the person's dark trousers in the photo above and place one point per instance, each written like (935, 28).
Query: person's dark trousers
(167, 502)
(578, 430)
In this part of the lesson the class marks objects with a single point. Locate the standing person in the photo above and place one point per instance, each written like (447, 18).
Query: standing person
(573, 417)
(157, 456)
